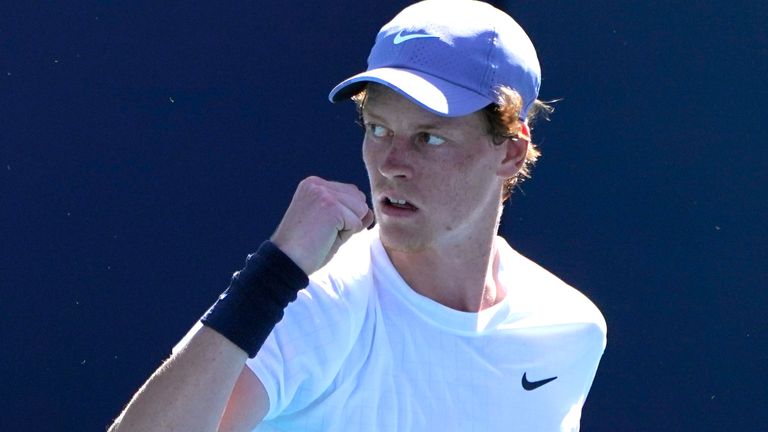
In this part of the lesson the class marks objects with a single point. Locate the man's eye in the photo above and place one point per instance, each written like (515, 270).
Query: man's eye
(430, 139)
(377, 130)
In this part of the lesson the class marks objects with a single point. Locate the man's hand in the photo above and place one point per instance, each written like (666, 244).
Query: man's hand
(322, 216)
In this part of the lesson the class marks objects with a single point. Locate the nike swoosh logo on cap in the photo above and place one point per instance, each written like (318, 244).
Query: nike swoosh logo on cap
(400, 38)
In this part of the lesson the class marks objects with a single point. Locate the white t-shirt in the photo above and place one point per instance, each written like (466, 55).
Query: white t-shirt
(359, 350)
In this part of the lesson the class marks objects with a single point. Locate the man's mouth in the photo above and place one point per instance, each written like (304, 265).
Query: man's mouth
(399, 203)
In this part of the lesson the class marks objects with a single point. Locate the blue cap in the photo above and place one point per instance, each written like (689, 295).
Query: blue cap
(450, 57)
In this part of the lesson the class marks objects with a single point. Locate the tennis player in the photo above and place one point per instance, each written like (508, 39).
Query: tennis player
(428, 321)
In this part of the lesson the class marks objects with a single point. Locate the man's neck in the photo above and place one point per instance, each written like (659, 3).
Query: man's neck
(461, 277)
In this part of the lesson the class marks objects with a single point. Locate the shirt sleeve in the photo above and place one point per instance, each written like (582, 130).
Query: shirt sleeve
(305, 351)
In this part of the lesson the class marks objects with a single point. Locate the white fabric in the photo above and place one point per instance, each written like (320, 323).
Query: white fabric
(359, 350)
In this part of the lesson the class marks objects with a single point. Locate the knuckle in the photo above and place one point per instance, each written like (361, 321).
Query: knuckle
(310, 182)
(327, 200)
(316, 190)
(361, 194)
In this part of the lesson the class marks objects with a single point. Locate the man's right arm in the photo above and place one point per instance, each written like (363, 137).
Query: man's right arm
(192, 389)
(205, 386)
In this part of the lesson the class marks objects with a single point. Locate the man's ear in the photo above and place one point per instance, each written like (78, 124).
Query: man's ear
(515, 151)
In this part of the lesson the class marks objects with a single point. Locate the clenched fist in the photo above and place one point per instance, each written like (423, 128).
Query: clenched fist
(321, 217)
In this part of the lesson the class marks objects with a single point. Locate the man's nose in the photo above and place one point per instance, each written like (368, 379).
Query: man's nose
(397, 161)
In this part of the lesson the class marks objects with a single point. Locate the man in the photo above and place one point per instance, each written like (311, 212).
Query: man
(428, 321)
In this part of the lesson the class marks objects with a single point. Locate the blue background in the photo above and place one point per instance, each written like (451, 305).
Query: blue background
(146, 147)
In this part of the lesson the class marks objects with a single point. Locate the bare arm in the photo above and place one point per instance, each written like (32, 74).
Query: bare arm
(205, 386)
(190, 391)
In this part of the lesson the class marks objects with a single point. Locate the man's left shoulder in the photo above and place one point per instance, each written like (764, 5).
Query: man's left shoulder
(545, 294)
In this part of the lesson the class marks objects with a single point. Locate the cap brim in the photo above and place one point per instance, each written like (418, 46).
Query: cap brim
(431, 93)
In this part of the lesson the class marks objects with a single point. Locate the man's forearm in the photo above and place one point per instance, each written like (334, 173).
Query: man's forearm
(189, 392)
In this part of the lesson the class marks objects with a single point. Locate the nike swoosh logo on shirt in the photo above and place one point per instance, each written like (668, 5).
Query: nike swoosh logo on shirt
(400, 38)
(533, 385)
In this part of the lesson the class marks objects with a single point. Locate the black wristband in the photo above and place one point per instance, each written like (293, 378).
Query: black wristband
(257, 295)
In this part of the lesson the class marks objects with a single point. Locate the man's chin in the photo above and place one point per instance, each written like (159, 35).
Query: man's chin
(402, 240)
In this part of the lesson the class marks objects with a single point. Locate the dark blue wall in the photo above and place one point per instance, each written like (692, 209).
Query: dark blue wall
(146, 147)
